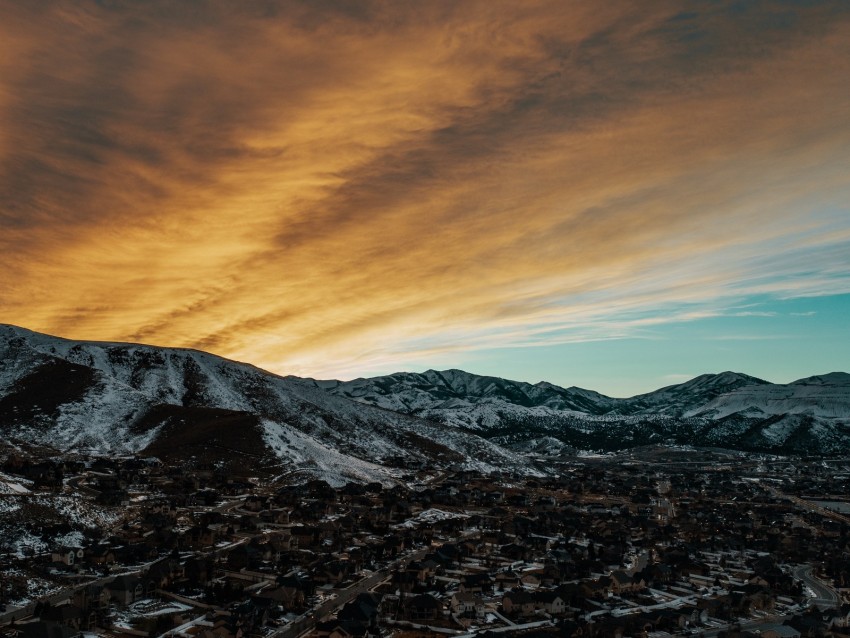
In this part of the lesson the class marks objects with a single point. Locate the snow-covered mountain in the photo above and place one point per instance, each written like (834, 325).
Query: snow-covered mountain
(466, 400)
(180, 403)
(177, 403)
(819, 396)
(685, 398)
(726, 409)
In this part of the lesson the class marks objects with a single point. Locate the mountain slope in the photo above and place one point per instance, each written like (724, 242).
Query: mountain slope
(683, 398)
(466, 400)
(819, 396)
(193, 406)
(726, 409)
(133, 398)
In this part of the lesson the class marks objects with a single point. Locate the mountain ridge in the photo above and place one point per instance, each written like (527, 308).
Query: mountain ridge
(116, 397)
(125, 397)
(726, 408)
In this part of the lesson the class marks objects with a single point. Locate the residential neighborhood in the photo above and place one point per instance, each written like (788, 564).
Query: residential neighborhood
(655, 542)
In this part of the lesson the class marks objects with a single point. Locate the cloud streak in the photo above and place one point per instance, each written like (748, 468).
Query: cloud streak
(312, 186)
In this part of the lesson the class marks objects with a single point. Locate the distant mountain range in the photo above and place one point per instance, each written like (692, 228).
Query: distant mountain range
(729, 409)
(185, 404)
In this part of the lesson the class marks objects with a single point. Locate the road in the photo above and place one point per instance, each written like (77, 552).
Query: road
(825, 596)
(19, 613)
(746, 625)
(806, 505)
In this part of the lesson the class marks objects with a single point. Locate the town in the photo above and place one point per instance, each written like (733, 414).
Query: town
(653, 542)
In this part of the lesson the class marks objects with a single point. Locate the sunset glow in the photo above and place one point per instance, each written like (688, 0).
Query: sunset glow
(338, 189)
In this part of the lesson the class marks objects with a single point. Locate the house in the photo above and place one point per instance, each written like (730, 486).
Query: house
(841, 617)
(749, 597)
(532, 577)
(810, 623)
(67, 555)
(467, 605)
(92, 598)
(363, 609)
(518, 603)
(515, 551)
(550, 602)
(424, 607)
(668, 619)
(162, 573)
(332, 572)
(476, 583)
(403, 581)
(200, 536)
(420, 570)
(695, 615)
(100, 555)
(199, 571)
(125, 590)
(621, 582)
(294, 590)
(507, 580)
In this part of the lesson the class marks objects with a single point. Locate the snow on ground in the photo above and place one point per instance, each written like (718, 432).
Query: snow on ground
(592, 454)
(13, 485)
(8, 505)
(825, 396)
(76, 511)
(36, 587)
(25, 543)
(152, 607)
(778, 432)
(336, 468)
(97, 420)
(71, 539)
(129, 379)
(431, 516)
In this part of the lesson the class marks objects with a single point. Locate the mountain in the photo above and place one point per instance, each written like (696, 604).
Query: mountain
(728, 409)
(185, 404)
(466, 400)
(820, 396)
(684, 398)
(195, 407)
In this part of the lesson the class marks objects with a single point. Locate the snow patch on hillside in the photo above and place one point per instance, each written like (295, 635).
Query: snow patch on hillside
(430, 516)
(306, 453)
(14, 485)
(829, 400)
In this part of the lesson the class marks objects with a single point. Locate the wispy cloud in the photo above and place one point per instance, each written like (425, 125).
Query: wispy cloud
(320, 186)
(750, 337)
(752, 313)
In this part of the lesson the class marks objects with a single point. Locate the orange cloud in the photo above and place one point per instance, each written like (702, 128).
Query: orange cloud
(316, 187)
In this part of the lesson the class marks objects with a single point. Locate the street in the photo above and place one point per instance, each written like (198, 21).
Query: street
(825, 596)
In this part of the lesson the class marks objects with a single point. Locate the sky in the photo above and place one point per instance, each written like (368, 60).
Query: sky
(607, 194)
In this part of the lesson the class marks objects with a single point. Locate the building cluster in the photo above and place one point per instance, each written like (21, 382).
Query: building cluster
(646, 548)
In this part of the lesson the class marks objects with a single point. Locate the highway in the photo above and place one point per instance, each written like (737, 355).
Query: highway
(806, 505)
